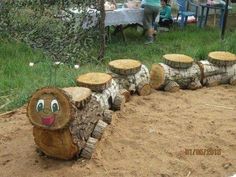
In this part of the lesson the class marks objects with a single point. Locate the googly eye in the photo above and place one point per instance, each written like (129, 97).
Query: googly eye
(54, 105)
(40, 105)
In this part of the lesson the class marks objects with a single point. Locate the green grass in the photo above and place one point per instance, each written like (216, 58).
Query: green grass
(18, 81)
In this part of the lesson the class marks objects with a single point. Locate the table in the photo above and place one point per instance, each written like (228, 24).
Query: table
(203, 19)
(122, 19)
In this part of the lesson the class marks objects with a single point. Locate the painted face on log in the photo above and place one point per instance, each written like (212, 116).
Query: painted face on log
(49, 108)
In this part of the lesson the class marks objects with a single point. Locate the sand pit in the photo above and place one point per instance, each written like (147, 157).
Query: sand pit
(148, 139)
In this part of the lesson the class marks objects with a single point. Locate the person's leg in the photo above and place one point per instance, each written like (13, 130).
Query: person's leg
(148, 22)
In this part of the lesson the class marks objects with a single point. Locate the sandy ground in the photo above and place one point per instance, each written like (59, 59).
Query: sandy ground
(147, 139)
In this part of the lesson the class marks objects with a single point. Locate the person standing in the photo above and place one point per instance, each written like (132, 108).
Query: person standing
(151, 10)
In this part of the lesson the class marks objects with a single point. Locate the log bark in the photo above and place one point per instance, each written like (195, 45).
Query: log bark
(95, 81)
(161, 74)
(62, 130)
(213, 75)
(132, 82)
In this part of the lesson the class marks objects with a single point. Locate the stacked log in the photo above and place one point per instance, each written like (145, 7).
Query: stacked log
(66, 122)
(177, 71)
(131, 76)
(219, 69)
(105, 89)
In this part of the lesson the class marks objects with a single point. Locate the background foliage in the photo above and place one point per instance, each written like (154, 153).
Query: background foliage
(51, 26)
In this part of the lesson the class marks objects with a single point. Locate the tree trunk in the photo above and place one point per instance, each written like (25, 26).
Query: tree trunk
(161, 75)
(63, 120)
(214, 74)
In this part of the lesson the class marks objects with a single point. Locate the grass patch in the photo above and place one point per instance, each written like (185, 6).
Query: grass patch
(18, 80)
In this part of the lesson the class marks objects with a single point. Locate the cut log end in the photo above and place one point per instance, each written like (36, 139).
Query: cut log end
(222, 58)
(95, 81)
(144, 88)
(87, 152)
(172, 86)
(107, 116)
(126, 94)
(119, 102)
(58, 104)
(125, 66)
(178, 61)
(157, 76)
(99, 129)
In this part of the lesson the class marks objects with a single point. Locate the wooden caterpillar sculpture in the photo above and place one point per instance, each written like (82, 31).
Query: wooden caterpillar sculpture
(66, 122)
(179, 71)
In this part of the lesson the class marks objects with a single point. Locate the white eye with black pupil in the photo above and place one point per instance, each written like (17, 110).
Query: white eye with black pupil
(54, 106)
(40, 105)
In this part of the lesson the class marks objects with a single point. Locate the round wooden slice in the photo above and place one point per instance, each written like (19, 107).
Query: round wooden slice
(80, 95)
(95, 81)
(222, 58)
(178, 61)
(50, 108)
(157, 76)
(125, 66)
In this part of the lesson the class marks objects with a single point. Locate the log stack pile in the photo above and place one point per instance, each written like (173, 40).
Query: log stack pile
(66, 122)
(177, 71)
(104, 88)
(131, 76)
(219, 69)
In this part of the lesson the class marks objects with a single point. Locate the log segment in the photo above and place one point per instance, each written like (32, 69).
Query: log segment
(213, 74)
(95, 81)
(178, 61)
(64, 120)
(171, 79)
(105, 89)
(124, 66)
(133, 81)
(222, 58)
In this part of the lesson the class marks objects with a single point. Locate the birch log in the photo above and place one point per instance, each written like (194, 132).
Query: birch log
(64, 119)
(165, 77)
(213, 74)
(138, 82)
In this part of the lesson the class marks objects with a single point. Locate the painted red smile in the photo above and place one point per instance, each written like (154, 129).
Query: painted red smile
(48, 120)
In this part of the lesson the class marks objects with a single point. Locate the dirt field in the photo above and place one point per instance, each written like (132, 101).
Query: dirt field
(148, 139)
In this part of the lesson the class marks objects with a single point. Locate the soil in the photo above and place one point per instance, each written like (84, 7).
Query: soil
(151, 137)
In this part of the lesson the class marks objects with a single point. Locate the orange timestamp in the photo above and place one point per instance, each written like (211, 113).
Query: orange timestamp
(205, 151)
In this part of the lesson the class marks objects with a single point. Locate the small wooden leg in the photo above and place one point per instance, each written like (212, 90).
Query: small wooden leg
(172, 86)
(107, 116)
(195, 85)
(99, 129)
(89, 148)
(119, 102)
(143, 88)
(126, 94)
(233, 80)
